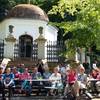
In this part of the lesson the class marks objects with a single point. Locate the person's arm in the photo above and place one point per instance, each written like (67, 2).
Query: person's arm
(60, 79)
(4, 79)
(51, 78)
(98, 77)
(11, 81)
(85, 79)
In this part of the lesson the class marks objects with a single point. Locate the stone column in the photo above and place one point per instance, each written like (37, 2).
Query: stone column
(41, 47)
(9, 46)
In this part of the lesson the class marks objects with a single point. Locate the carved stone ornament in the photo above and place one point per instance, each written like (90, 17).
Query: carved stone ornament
(10, 38)
(41, 38)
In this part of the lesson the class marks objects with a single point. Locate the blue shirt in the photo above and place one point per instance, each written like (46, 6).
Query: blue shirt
(36, 75)
(46, 75)
(8, 77)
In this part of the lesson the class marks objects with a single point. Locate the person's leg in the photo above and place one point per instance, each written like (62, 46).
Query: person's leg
(66, 90)
(76, 89)
(28, 90)
(60, 89)
(2, 90)
(52, 89)
(98, 86)
(10, 92)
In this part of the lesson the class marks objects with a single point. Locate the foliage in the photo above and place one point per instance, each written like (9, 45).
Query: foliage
(36, 2)
(85, 28)
(79, 20)
(5, 5)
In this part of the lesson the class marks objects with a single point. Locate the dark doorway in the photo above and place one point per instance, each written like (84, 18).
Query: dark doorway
(25, 45)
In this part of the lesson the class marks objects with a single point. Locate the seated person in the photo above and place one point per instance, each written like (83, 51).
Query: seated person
(56, 81)
(8, 79)
(71, 81)
(46, 75)
(62, 71)
(17, 75)
(98, 83)
(15, 72)
(25, 75)
(82, 78)
(35, 76)
(26, 84)
(93, 75)
(82, 82)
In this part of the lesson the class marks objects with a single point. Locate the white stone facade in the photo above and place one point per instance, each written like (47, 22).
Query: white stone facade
(28, 26)
(23, 27)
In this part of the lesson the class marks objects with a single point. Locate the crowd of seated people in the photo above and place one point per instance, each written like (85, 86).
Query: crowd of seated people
(62, 78)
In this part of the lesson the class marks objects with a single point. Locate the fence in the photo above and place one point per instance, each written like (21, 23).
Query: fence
(35, 51)
(1, 50)
(18, 53)
(54, 48)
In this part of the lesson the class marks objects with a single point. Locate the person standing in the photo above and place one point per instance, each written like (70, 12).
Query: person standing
(40, 67)
(86, 67)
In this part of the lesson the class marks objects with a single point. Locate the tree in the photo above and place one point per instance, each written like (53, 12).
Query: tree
(85, 29)
(46, 5)
(5, 5)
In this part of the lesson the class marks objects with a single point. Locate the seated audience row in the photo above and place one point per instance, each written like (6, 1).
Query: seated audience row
(61, 78)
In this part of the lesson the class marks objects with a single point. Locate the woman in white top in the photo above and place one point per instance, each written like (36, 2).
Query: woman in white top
(56, 80)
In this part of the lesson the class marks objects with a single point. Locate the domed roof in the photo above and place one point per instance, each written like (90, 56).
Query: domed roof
(27, 11)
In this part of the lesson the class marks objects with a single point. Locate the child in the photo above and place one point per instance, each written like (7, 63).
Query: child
(8, 79)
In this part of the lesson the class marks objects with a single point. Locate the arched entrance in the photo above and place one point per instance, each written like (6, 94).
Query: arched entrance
(25, 46)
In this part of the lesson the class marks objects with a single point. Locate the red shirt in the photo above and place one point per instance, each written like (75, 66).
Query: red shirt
(24, 76)
(71, 78)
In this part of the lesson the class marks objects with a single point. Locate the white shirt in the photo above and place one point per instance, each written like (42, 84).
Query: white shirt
(55, 78)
